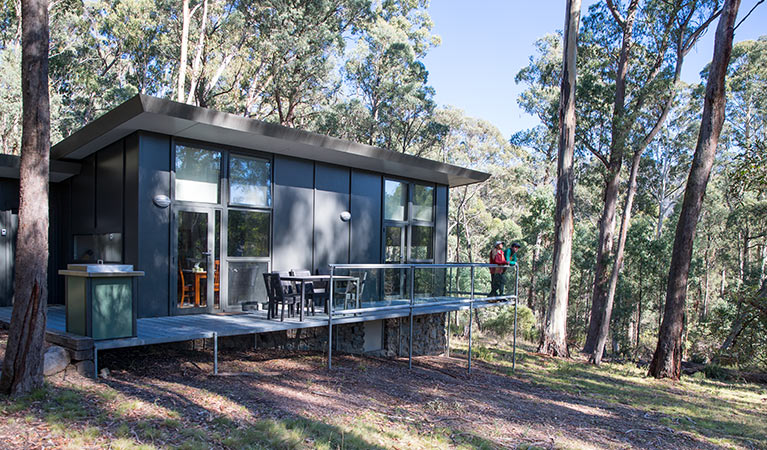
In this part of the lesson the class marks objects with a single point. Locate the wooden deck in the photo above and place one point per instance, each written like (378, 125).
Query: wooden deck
(162, 330)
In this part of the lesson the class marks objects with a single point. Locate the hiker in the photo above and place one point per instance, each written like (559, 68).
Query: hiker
(511, 253)
(496, 273)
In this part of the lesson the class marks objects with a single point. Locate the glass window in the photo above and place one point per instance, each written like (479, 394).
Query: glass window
(197, 174)
(395, 200)
(421, 243)
(394, 250)
(250, 181)
(246, 282)
(423, 203)
(248, 233)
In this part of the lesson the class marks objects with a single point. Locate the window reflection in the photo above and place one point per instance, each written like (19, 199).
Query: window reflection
(421, 243)
(197, 174)
(250, 181)
(423, 203)
(248, 233)
(395, 199)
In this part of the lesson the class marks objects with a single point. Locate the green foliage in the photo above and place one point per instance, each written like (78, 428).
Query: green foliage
(500, 322)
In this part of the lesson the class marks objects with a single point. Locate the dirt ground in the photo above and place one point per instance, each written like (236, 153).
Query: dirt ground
(487, 409)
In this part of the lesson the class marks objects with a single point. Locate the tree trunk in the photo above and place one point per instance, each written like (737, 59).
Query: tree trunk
(23, 363)
(707, 261)
(604, 327)
(554, 336)
(533, 270)
(667, 360)
(197, 64)
(607, 221)
(723, 285)
(186, 17)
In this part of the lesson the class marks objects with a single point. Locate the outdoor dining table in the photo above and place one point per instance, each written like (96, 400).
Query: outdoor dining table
(309, 278)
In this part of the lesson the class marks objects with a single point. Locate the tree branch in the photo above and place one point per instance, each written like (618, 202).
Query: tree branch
(616, 14)
(749, 13)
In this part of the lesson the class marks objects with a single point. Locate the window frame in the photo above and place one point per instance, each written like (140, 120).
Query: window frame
(409, 221)
(223, 206)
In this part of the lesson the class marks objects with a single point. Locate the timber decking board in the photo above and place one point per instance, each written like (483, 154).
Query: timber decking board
(162, 330)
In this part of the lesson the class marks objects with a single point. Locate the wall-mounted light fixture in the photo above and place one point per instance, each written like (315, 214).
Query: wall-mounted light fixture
(161, 201)
(346, 216)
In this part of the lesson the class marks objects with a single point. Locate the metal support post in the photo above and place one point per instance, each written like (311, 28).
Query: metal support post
(412, 302)
(215, 353)
(95, 363)
(471, 315)
(516, 298)
(447, 352)
(331, 298)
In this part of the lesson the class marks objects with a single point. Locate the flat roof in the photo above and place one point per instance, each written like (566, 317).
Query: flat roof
(145, 113)
(59, 170)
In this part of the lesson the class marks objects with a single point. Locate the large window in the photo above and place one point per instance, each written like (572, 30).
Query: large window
(235, 190)
(408, 222)
(198, 174)
(409, 234)
(248, 228)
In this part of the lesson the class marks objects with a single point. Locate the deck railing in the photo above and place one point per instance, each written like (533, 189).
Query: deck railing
(370, 289)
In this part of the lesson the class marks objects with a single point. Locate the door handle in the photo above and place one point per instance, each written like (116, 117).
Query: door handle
(206, 253)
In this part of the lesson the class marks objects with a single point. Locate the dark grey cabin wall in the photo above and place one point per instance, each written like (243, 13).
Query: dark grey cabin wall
(440, 226)
(131, 192)
(82, 199)
(9, 208)
(293, 214)
(9, 221)
(331, 198)
(366, 218)
(58, 220)
(109, 189)
(147, 227)
(154, 225)
(96, 194)
(9, 205)
(9, 194)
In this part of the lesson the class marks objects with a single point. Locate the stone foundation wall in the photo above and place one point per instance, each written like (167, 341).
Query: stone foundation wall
(429, 338)
(429, 335)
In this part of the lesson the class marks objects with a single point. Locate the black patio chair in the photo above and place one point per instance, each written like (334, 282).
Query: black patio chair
(280, 294)
(316, 291)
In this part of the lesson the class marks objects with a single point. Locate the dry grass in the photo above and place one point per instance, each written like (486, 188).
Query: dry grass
(166, 398)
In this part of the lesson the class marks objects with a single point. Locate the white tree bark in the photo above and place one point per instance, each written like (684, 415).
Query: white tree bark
(554, 336)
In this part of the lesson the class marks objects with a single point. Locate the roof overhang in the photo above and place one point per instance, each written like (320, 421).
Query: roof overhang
(144, 113)
(59, 170)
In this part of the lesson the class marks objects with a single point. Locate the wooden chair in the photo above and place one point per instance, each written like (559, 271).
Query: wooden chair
(186, 289)
(217, 281)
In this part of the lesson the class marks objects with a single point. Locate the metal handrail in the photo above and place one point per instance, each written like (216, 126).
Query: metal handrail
(412, 306)
(416, 265)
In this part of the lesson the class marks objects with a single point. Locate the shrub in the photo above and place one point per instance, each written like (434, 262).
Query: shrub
(501, 323)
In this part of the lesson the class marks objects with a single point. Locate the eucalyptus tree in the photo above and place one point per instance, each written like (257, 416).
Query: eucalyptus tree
(554, 337)
(385, 71)
(646, 44)
(667, 359)
(746, 124)
(23, 360)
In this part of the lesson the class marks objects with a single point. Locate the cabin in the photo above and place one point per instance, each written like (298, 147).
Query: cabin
(205, 202)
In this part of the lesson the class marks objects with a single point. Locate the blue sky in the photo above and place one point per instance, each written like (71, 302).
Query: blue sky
(485, 43)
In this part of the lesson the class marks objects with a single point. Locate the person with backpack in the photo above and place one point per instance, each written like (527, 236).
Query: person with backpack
(496, 273)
